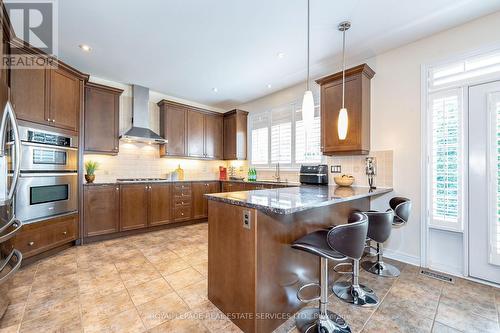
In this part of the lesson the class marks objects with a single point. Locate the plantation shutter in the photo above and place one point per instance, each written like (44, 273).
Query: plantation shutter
(281, 135)
(259, 127)
(446, 158)
(307, 151)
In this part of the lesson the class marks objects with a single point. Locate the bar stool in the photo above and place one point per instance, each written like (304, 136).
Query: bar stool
(336, 244)
(379, 230)
(352, 291)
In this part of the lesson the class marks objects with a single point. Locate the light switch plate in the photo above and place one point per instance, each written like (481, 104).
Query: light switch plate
(336, 169)
(246, 219)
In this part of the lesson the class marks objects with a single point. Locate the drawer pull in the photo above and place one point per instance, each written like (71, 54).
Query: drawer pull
(65, 233)
(117, 188)
(182, 214)
(31, 243)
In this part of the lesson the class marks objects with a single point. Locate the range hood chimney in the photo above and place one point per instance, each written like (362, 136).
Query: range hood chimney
(140, 131)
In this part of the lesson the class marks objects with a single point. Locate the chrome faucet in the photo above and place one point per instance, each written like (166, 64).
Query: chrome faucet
(277, 172)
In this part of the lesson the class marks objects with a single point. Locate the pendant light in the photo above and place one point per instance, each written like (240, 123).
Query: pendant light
(343, 121)
(308, 100)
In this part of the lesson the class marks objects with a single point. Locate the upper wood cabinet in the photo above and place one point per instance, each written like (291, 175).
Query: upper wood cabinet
(173, 121)
(102, 119)
(101, 209)
(235, 135)
(191, 132)
(52, 96)
(357, 102)
(196, 134)
(213, 137)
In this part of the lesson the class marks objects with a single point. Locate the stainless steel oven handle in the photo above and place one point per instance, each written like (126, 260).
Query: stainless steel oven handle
(14, 221)
(46, 174)
(48, 147)
(14, 269)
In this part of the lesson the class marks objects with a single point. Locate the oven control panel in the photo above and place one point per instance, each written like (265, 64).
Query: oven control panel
(49, 139)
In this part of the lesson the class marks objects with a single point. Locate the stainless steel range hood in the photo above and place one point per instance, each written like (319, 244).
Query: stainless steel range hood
(140, 131)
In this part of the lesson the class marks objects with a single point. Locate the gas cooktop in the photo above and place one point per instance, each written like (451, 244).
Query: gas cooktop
(140, 180)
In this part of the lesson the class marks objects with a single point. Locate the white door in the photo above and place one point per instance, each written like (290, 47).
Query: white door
(484, 181)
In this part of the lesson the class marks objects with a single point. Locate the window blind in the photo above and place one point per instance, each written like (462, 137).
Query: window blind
(307, 146)
(281, 135)
(259, 125)
(446, 158)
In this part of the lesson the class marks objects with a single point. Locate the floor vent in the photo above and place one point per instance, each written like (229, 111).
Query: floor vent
(437, 276)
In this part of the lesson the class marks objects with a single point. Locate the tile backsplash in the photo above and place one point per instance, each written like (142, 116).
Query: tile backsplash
(137, 160)
(351, 165)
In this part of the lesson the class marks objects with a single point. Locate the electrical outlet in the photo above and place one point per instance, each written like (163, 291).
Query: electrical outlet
(246, 219)
(336, 169)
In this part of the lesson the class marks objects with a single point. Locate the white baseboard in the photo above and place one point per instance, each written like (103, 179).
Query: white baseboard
(403, 257)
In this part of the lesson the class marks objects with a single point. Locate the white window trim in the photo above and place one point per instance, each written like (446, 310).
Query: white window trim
(425, 226)
(272, 166)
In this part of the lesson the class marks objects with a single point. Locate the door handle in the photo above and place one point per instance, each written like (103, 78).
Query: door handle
(9, 115)
(13, 222)
(14, 269)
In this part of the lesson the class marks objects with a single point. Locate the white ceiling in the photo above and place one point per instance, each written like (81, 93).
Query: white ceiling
(184, 48)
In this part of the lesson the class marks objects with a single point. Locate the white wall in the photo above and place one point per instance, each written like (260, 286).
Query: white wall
(396, 110)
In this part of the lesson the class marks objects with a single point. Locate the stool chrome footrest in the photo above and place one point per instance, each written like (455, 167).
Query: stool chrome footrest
(311, 321)
(343, 264)
(380, 268)
(307, 300)
(358, 295)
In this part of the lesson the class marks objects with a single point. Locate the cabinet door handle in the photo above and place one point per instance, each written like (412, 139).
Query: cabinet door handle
(116, 148)
(65, 233)
(31, 243)
(53, 120)
(48, 119)
(117, 188)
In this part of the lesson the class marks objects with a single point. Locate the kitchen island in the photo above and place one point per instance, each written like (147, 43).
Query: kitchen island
(253, 273)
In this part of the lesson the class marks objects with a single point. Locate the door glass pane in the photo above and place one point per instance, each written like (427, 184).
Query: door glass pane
(43, 194)
(494, 228)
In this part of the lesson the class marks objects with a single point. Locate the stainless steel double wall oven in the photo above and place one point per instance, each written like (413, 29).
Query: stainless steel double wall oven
(48, 182)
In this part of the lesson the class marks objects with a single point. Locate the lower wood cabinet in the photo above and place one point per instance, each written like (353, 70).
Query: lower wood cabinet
(200, 202)
(160, 204)
(36, 238)
(134, 200)
(114, 208)
(101, 209)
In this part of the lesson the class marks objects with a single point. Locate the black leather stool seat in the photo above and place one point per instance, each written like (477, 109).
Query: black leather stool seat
(316, 243)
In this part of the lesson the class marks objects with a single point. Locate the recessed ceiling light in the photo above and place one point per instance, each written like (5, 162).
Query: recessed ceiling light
(280, 55)
(85, 47)
(269, 86)
(215, 90)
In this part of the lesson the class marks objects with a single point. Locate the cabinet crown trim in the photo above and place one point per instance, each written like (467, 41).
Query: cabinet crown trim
(166, 103)
(360, 69)
(103, 87)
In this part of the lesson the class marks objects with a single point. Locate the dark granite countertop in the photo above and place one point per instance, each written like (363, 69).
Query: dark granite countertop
(289, 200)
(150, 182)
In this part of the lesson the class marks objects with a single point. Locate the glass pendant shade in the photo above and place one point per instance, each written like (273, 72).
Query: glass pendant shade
(342, 124)
(308, 110)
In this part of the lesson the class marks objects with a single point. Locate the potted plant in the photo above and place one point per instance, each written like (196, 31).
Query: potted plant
(90, 167)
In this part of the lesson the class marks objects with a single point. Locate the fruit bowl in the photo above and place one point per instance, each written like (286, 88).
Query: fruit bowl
(344, 180)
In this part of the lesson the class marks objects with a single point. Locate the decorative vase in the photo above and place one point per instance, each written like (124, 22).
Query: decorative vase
(90, 178)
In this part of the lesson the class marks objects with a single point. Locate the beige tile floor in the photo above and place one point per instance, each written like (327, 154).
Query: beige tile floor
(157, 282)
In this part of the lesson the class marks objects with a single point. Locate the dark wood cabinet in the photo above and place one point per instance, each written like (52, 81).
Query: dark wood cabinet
(191, 132)
(52, 96)
(133, 206)
(173, 120)
(101, 209)
(357, 102)
(28, 95)
(200, 202)
(214, 137)
(101, 119)
(39, 237)
(235, 135)
(160, 204)
(196, 134)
